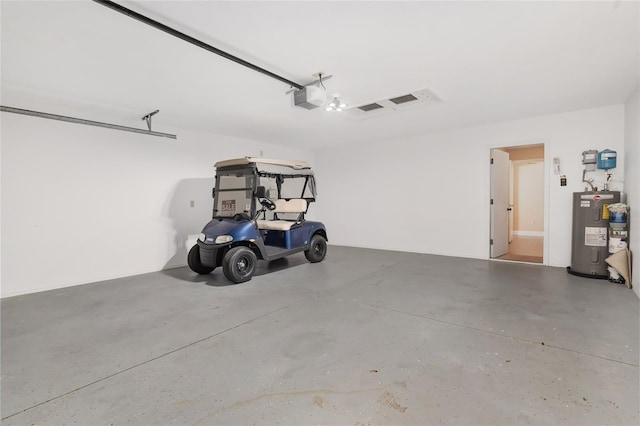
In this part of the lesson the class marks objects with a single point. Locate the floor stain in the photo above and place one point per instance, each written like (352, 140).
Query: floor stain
(392, 403)
(389, 400)
(182, 403)
(318, 401)
(612, 403)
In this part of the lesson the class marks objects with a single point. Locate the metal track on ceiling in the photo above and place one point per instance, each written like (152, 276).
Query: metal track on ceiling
(83, 121)
(162, 27)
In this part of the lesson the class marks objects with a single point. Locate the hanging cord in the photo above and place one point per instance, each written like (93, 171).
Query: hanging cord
(320, 80)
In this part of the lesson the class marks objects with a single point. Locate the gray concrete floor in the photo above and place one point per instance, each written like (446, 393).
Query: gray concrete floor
(366, 337)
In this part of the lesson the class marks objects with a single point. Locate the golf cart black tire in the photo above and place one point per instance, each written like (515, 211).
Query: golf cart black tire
(317, 249)
(233, 261)
(193, 259)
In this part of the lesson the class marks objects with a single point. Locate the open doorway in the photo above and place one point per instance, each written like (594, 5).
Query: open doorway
(517, 203)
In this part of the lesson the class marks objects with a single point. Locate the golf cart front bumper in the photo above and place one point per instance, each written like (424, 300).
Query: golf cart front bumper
(210, 254)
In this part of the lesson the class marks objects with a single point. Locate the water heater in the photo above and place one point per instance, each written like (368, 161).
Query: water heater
(589, 238)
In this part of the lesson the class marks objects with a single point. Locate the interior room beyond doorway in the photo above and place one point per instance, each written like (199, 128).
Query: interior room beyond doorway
(526, 204)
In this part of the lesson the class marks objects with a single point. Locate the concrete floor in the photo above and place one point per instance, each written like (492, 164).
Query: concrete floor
(366, 337)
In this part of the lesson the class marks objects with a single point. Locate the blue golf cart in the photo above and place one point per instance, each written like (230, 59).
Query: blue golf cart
(259, 212)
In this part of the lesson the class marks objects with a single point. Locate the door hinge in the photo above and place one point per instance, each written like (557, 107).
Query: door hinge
(492, 161)
(491, 202)
(491, 241)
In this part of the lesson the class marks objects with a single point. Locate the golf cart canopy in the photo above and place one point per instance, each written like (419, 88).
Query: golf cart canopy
(267, 166)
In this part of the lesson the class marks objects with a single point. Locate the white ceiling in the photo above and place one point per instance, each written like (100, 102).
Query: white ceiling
(489, 61)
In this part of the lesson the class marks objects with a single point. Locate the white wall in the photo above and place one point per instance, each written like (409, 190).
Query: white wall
(430, 193)
(528, 203)
(632, 180)
(82, 204)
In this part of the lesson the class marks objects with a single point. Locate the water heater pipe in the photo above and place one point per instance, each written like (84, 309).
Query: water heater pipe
(584, 172)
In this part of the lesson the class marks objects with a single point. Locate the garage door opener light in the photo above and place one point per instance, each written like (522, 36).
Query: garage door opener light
(336, 104)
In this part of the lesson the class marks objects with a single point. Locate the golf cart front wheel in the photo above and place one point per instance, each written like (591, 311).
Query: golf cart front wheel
(193, 259)
(317, 249)
(239, 264)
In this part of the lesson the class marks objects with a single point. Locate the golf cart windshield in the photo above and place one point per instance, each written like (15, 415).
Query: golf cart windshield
(234, 193)
(290, 186)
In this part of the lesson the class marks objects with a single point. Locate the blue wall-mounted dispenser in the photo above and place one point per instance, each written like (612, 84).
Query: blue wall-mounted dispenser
(607, 159)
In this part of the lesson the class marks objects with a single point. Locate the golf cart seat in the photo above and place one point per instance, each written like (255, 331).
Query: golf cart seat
(295, 205)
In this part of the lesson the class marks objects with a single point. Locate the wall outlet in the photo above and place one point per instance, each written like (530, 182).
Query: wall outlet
(192, 203)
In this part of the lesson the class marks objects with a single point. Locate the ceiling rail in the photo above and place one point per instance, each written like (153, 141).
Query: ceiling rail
(83, 121)
(194, 41)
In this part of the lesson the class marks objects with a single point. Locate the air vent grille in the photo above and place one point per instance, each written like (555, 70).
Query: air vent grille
(370, 107)
(403, 99)
(416, 99)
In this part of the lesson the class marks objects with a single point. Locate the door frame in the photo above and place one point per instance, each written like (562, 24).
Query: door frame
(547, 179)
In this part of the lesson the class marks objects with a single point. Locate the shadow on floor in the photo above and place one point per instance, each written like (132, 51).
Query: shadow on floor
(217, 278)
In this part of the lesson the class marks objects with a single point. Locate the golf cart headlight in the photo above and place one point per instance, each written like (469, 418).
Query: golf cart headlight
(221, 239)
(202, 237)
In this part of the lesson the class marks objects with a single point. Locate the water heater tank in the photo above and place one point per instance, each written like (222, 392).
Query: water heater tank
(590, 233)
(607, 159)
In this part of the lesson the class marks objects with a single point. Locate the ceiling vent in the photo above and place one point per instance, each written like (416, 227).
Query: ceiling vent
(403, 99)
(417, 99)
(370, 107)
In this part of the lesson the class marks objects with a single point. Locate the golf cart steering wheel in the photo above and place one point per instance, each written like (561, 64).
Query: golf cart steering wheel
(268, 204)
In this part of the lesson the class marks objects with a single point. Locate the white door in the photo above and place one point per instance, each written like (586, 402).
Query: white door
(499, 203)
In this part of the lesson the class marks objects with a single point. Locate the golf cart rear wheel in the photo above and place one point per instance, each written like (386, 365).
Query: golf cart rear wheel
(317, 249)
(193, 259)
(239, 264)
